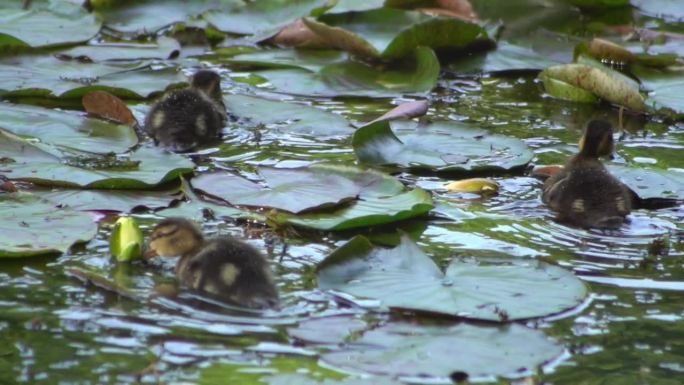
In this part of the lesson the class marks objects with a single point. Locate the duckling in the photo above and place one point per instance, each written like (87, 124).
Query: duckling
(584, 193)
(183, 119)
(224, 268)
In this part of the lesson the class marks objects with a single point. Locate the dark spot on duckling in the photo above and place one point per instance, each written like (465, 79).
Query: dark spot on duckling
(184, 119)
(224, 268)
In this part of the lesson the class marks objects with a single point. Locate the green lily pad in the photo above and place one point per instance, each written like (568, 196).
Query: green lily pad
(164, 48)
(123, 201)
(343, 6)
(299, 379)
(149, 16)
(666, 88)
(651, 183)
(67, 129)
(506, 57)
(262, 16)
(438, 146)
(406, 278)
(409, 350)
(353, 78)
(601, 82)
(287, 117)
(393, 33)
(293, 190)
(308, 59)
(46, 165)
(50, 77)
(378, 198)
(42, 28)
(32, 226)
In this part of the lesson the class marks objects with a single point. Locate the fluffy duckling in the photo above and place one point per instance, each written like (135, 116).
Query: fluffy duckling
(183, 119)
(584, 193)
(224, 268)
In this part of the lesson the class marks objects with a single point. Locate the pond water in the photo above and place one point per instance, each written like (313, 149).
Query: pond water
(54, 329)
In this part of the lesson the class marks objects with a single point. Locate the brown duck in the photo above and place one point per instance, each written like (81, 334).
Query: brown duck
(223, 268)
(186, 118)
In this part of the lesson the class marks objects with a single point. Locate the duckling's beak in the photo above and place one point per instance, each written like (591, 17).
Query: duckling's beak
(150, 253)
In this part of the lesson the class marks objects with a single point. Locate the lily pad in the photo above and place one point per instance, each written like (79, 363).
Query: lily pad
(287, 117)
(41, 28)
(50, 77)
(406, 278)
(113, 200)
(379, 198)
(164, 48)
(599, 81)
(393, 33)
(262, 16)
(299, 379)
(505, 58)
(438, 146)
(353, 78)
(32, 226)
(409, 350)
(149, 16)
(666, 88)
(47, 165)
(651, 183)
(67, 129)
(293, 190)
(308, 59)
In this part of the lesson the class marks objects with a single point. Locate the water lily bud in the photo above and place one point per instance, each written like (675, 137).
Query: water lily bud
(126, 242)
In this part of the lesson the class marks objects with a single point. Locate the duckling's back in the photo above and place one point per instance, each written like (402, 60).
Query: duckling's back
(183, 119)
(587, 195)
(232, 271)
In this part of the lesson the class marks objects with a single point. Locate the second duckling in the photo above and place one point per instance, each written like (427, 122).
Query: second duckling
(183, 119)
(222, 268)
(584, 193)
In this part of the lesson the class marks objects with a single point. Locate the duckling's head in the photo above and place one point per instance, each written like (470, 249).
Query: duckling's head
(208, 82)
(597, 140)
(175, 237)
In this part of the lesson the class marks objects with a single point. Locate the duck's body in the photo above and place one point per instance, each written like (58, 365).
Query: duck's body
(224, 268)
(183, 119)
(584, 193)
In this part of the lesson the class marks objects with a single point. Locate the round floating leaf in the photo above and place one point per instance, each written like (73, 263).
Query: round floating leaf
(344, 6)
(393, 33)
(308, 59)
(299, 379)
(31, 226)
(353, 78)
(409, 350)
(67, 129)
(262, 16)
(46, 165)
(126, 241)
(438, 146)
(406, 278)
(292, 190)
(49, 77)
(598, 81)
(98, 200)
(651, 183)
(145, 16)
(327, 330)
(666, 86)
(164, 48)
(506, 57)
(40, 28)
(288, 117)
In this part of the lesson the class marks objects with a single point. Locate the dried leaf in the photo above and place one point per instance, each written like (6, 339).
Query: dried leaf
(297, 34)
(107, 106)
(607, 50)
(405, 111)
(460, 9)
(545, 172)
(342, 39)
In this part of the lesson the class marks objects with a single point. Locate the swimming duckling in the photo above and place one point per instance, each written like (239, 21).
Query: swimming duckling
(183, 119)
(584, 193)
(222, 268)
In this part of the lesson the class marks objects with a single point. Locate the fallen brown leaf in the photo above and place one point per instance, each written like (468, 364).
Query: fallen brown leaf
(297, 34)
(405, 111)
(107, 106)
